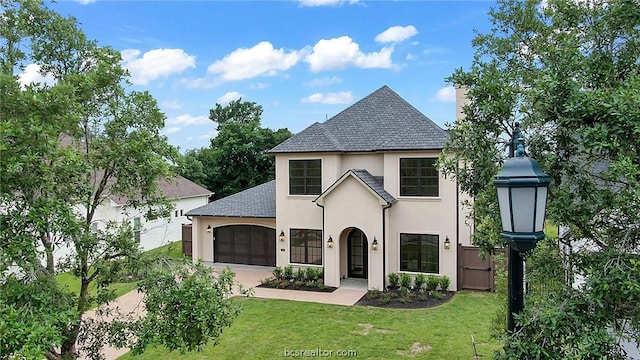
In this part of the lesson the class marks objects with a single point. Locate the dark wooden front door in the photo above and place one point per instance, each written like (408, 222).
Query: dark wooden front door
(245, 244)
(357, 254)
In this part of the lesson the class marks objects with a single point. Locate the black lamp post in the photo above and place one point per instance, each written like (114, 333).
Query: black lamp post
(522, 198)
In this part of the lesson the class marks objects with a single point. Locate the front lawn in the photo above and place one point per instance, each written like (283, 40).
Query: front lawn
(271, 329)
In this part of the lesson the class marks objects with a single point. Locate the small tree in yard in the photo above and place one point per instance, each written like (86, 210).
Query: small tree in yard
(65, 145)
(569, 71)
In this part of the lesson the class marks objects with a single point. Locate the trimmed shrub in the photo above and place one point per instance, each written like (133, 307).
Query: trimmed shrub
(405, 281)
(277, 273)
(432, 283)
(394, 280)
(419, 281)
(287, 273)
(444, 283)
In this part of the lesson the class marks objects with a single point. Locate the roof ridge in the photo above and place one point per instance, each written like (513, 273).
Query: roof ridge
(331, 137)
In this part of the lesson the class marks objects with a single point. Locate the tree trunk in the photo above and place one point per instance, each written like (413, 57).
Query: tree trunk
(68, 349)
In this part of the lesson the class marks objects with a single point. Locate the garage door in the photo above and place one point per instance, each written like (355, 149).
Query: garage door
(245, 244)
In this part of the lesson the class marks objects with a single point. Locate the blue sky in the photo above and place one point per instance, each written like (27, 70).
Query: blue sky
(303, 61)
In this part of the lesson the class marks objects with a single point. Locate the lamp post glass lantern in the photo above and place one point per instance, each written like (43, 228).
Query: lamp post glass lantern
(522, 199)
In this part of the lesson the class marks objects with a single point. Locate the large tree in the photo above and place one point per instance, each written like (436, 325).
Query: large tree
(237, 158)
(66, 145)
(569, 71)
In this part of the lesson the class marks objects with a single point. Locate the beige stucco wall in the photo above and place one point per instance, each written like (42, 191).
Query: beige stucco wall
(352, 205)
(202, 246)
(421, 215)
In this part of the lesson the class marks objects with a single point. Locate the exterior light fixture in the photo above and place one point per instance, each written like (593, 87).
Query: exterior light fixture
(330, 242)
(374, 244)
(209, 229)
(281, 237)
(522, 197)
(447, 243)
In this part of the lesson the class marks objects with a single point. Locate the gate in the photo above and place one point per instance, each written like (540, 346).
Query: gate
(186, 240)
(475, 273)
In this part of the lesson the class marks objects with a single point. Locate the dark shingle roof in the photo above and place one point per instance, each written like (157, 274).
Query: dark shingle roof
(381, 121)
(375, 183)
(256, 202)
(174, 188)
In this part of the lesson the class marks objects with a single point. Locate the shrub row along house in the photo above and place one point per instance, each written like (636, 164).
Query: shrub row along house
(358, 195)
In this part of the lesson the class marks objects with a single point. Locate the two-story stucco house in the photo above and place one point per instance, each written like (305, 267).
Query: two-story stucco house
(358, 195)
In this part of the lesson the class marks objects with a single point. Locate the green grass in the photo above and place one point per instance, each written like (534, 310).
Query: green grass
(171, 250)
(266, 328)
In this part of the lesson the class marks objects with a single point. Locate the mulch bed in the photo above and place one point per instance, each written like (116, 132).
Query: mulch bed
(302, 288)
(395, 301)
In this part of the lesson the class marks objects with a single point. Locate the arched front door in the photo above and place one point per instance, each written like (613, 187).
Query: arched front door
(357, 254)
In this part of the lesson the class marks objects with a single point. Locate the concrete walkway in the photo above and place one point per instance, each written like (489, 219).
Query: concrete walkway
(249, 277)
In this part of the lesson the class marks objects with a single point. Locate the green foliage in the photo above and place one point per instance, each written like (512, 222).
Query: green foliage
(431, 283)
(419, 281)
(287, 273)
(65, 147)
(33, 316)
(300, 275)
(569, 72)
(187, 308)
(405, 280)
(236, 159)
(278, 273)
(443, 283)
(579, 331)
(394, 280)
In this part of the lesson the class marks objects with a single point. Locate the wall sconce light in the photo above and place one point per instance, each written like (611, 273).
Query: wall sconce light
(374, 244)
(209, 229)
(447, 243)
(281, 237)
(330, 242)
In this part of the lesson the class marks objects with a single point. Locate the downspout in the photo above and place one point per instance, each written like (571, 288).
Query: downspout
(457, 234)
(384, 247)
(324, 248)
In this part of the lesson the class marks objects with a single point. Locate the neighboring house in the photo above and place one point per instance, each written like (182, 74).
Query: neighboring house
(358, 195)
(183, 193)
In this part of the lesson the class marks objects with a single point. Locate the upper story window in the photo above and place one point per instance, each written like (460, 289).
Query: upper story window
(419, 177)
(305, 177)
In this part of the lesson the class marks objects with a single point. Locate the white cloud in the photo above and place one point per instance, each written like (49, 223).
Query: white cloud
(156, 63)
(446, 94)
(258, 86)
(199, 83)
(325, 81)
(343, 97)
(171, 130)
(171, 105)
(312, 3)
(396, 34)
(209, 135)
(229, 97)
(31, 75)
(188, 119)
(260, 60)
(410, 56)
(339, 53)
(85, 2)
